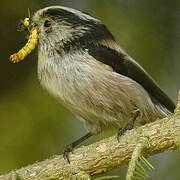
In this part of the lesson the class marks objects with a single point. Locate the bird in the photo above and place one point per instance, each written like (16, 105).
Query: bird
(82, 65)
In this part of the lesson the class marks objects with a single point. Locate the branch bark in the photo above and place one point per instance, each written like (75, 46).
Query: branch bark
(106, 154)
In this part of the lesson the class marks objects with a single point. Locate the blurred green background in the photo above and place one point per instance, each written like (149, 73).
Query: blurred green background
(33, 126)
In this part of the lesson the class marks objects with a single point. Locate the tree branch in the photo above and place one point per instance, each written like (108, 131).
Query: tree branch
(106, 154)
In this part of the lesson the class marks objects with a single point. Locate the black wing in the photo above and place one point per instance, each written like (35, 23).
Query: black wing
(125, 65)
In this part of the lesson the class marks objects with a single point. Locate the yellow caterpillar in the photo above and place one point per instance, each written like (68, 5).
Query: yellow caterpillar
(29, 46)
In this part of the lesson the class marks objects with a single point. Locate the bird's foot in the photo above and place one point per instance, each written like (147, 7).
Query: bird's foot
(122, 130)
(68, 149)
(128, 126)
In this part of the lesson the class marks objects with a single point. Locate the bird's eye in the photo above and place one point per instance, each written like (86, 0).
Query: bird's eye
(47, 23)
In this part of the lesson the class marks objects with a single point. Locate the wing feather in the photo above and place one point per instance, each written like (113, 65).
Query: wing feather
(125, 65)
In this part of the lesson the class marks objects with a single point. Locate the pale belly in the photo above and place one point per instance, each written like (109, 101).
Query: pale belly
(98, 99)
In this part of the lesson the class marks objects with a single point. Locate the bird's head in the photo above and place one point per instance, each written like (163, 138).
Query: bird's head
(66, 28)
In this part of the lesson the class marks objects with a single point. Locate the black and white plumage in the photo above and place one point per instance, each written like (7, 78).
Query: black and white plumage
(81, 64)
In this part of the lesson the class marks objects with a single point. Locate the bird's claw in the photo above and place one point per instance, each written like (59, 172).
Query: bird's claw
(121, 131)
(66, 152)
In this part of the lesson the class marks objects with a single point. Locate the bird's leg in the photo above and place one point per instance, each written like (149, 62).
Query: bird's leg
(71, 146)
(129, 126)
